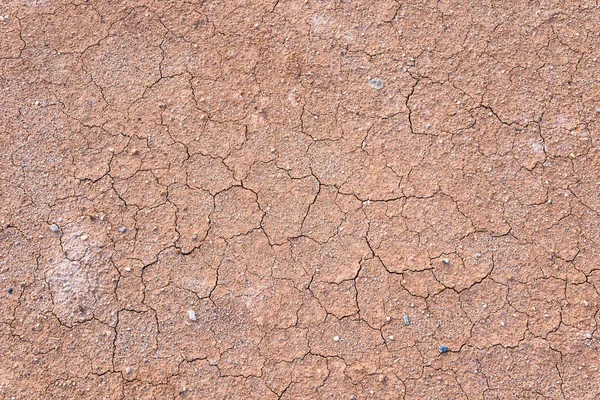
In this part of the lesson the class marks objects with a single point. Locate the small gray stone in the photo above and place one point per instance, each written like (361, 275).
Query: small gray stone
(122, 229)
(192, 315)
(376, 83)
(54, 228)
(406, 320)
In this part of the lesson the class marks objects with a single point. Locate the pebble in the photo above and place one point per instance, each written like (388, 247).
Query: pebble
(443, 349)
(192, 315)
(406, 320)
(445, 261)
(376, 83)
(122, 229)
(54, 228)
(10, 290)
(336, 338)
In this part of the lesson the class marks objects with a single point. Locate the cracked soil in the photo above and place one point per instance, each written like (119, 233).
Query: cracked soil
(282, 199)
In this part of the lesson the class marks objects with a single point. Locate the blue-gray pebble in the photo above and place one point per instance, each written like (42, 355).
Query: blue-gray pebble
(376, 83)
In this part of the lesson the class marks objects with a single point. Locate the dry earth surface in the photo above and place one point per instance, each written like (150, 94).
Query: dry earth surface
(259, 199)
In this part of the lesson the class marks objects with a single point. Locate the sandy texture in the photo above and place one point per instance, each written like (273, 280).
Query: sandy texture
(264, 199)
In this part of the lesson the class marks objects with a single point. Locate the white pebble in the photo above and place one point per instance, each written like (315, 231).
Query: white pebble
(54, 228)
(336, 338)
(376, 83)
(122, 229)
(192, 315)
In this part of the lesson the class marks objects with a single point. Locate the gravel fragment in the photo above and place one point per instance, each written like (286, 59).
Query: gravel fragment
(192, 315)
(376, 83)
(54, 228)
(10, 290)
(443, 349)
(122, 229)
(406, 320)
(336, 338)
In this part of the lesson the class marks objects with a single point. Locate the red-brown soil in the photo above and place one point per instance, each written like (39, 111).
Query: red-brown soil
(243, 199)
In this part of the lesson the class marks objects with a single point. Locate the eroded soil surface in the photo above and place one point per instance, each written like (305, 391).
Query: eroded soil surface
(255, 199)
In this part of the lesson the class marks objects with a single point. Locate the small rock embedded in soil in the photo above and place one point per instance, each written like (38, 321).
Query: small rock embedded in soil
(10, 290)
(406, 320)
(122, 229)
(336, 338)
(54, 228)
(192, 315)
(443, 349)
(445, 261)
(376, 83)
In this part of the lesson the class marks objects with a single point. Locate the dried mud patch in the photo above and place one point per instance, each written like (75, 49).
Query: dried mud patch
(283, 199)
